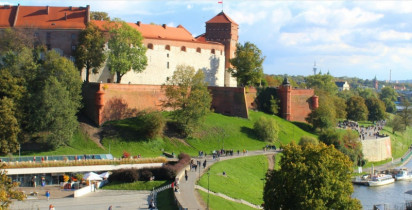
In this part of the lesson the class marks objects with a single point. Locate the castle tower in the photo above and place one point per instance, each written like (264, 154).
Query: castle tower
(224, 30)
(285, 94)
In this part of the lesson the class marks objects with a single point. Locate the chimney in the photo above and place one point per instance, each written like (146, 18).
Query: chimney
(164, 26)
(17, 14)
(87, 14)
(47, 10)
(65, 16)
(138, 23)
(70, 8)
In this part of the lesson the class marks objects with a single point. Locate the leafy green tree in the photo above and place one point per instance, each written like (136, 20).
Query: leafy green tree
(16, 39)
(356, 109)
(406, 113)
(95, 15)
(390, 105)
(311, 177)
(322, 82)
(126, 50)
(55, 101)
(8, 190)
(306, 140)
(388, 95)
(247, 64)
(340, 106)
(90, 50)
(352, 147)
(366, 93)
(266, 129)
(187, 94)
(376, 109)
(330, 137)
(396, 123)
(9, 127)
(324, 116)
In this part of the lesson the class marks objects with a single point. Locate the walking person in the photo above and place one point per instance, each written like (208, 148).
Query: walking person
(186, 175)
(204, 164)
(48, 195)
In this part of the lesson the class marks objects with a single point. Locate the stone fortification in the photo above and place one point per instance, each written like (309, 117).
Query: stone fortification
(377, 149)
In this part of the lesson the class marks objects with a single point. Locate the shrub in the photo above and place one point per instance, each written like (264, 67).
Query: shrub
(124, 175)
(153, 124)
(145, 175)
(266, 129)
(125, 154)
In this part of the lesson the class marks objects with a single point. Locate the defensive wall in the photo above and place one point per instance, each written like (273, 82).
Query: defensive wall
(111, 101)
(377, 149)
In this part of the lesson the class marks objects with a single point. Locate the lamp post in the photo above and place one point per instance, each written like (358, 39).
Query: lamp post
(208, 193)
(19, 153)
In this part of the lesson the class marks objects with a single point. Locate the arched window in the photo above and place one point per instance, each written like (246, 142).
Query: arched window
(183, 48)
(167, 47)
(150, 46)
(213, 51)
(198, 50)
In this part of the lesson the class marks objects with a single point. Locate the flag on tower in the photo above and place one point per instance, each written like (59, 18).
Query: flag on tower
(220, 2)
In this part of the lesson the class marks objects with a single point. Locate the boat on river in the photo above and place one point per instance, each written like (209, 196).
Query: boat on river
(403, 175)
(381, 179)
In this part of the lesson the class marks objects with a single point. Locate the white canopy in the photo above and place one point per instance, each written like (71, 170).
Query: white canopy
(105, 175)
(91, 176)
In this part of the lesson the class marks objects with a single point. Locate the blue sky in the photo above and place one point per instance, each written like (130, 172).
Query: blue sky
(347, 38)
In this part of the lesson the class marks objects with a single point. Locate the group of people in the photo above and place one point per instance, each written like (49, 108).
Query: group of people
(364, 132)
(194, 165)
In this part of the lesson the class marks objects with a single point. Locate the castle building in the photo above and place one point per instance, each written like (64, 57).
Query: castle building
(167, 47)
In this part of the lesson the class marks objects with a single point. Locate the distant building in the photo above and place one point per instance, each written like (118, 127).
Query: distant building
(342, 85)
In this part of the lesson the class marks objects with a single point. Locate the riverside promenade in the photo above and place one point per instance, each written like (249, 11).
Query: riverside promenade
(188, 197)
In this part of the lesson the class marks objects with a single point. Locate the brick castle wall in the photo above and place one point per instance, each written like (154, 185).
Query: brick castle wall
(119, 101)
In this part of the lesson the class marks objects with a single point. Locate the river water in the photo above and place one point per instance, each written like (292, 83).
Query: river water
(393, 194)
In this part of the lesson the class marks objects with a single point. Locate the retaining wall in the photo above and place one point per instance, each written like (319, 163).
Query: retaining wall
(377, 149)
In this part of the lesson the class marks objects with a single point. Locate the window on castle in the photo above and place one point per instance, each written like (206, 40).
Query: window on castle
(73, 36)
(150, 46)
(167, 47)
(167, 55)
(213, 51)
(198, 50)
(36, 34)
(183, 48)
(48, 35)
(73, 47)
(167, 65)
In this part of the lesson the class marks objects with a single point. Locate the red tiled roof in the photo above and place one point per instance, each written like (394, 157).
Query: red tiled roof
(221, 18)
(44, 17)
(151, 31)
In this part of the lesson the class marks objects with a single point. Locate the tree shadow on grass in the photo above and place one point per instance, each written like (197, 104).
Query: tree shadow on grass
(128, 130)
(304, 126)
(249, 132)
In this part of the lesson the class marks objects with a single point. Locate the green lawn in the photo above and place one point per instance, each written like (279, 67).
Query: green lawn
(218, 203)
(244, 178)
(139, 185)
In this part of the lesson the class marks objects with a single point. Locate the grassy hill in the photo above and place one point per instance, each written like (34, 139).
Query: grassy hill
(217, 131)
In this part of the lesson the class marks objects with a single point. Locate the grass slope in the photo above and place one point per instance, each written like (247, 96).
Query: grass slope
(166, 200)
(218, 203)
(244, 178)
(216, 132)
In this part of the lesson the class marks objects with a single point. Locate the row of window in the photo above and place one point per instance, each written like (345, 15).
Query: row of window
(183, 48)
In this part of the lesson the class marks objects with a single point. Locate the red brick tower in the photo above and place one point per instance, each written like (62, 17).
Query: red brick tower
(286, 99)
(224, 30)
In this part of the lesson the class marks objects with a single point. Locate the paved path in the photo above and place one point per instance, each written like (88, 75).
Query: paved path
(101, 199)
(188, 196)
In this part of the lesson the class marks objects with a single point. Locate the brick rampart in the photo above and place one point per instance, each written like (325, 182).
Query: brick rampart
(301, 104)
(109, 101)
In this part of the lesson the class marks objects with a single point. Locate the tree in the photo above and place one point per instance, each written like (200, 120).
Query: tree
(94, 15)
(406, 113)
(340, 106)
(311, 177)
(324, 116)
(388, 95)
(8, 190)
(188, 96)
(247, 64)
(55, 101)
(352, 147)
(90, 50)
(322, 82)
(9, 127)
(356, 109)
(330, 137)
(376, 109)
(306, 140)
(126, 50)
(396, 123)
(366, 93)
(266, 129)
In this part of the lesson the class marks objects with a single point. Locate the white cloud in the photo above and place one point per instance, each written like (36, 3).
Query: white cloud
(189, 6)
(171, 24)
(394, 35)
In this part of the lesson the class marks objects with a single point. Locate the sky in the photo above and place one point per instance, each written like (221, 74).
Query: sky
(361, 39)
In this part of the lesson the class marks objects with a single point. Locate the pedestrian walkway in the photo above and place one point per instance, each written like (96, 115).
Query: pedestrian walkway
(188, 196)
